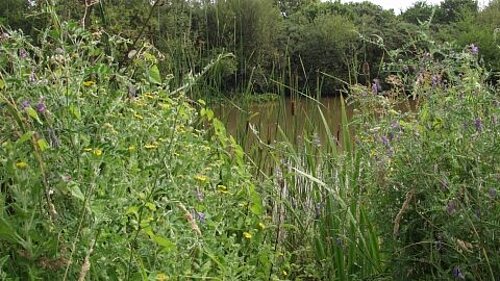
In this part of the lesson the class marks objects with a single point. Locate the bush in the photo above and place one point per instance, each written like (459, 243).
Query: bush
(433, 173)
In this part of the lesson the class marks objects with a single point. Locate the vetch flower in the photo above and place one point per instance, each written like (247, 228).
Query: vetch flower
(436, 80)
(23, 54)
(473, 49)
(25, 104)
(478, 124)
(32, 78)
(457, 273)
(385, 141)
(40, 107)
(200, 216)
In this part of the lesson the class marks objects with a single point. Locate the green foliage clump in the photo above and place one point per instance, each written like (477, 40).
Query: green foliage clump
(432, 175)
(115, 175)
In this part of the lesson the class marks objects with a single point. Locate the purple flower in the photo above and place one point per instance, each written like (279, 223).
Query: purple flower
(385, 141)
(40, 107)
(200, 216)
(492, 193)
(25, 104)
(376, 87)
(478, 124)
(32, 78)
(436, 80)
(457, 273)
(473, 49)
(23, 54)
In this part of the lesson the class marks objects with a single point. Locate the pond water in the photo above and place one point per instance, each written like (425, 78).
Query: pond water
(296, 118)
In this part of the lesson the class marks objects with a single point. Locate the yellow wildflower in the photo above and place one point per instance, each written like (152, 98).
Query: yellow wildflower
(87, 149)
(148, 95)
(131, 148)
(201, 178)
(393, 112)
(97, 152)
(21, 165)
(89, 83)
(261, 226)
(247, 235)
(151, 146)
(222, 189)
(161, 277)
(285, 273)
(138, 116)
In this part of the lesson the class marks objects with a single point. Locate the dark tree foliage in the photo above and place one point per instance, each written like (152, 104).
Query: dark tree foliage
(301, 43)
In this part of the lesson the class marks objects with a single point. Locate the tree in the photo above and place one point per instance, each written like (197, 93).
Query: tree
(451, 10)
(419, 12)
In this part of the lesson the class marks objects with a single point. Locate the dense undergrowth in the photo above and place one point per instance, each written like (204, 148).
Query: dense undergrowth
(112, 175)
(109, 173)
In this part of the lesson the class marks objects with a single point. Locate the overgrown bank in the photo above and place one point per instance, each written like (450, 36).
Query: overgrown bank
(111, 173)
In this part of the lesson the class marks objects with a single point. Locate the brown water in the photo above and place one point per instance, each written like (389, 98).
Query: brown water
(298, 118)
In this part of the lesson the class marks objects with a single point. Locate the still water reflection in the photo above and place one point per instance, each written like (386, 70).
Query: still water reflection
(297, 118)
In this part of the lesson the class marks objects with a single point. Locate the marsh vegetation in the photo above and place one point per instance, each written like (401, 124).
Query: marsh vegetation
(248, 140)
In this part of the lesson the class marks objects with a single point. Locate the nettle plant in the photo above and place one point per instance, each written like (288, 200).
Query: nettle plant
(433, 173)
(111, 174)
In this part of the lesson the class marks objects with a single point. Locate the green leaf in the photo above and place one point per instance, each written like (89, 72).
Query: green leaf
(256, 208)
(25, 137)
(75, 111)
(42, 144)
(166, 243)
(154, 74)
(8, 233)
(77, 193)
(32, 113)
(2, 84)
(151, 206)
